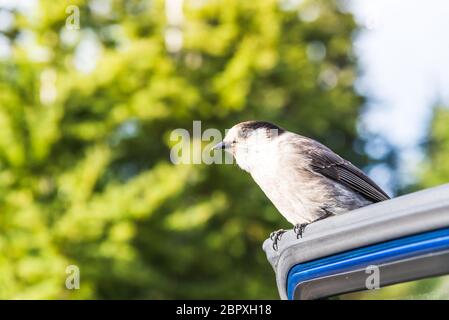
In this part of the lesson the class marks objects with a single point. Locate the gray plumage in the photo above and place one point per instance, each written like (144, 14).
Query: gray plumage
(304, 179)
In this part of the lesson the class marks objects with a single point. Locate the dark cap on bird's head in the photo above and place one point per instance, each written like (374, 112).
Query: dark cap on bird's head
(243, 130)
(254, 125)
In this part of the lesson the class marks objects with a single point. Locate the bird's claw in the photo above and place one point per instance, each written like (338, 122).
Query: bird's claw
(299, 229)
(275, 236)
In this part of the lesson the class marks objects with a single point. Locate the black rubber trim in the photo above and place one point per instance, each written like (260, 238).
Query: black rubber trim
(429, 265)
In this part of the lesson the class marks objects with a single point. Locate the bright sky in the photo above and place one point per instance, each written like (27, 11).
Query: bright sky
(404, 56)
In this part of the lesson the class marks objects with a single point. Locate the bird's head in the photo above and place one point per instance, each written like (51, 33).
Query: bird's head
(248, 141)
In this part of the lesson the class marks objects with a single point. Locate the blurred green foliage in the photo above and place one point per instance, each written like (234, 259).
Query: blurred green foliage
(435, 288)
(435, 170)
(85, 117)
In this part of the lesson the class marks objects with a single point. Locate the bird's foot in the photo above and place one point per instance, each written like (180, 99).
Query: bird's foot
(299, 229)
(275, 236)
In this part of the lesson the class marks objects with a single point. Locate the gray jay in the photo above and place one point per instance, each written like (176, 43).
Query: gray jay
(305, 180)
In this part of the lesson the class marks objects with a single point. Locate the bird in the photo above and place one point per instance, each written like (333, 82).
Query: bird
(305, 180)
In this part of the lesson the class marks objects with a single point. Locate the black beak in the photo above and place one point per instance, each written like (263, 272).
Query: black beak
(220, 145)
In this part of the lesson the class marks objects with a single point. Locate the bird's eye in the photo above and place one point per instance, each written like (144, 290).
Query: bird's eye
(233, 142)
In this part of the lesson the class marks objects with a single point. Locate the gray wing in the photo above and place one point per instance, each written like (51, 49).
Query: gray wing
(326, 162)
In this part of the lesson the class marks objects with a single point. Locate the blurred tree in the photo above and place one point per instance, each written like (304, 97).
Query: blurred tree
(435, 170)
(85, 175)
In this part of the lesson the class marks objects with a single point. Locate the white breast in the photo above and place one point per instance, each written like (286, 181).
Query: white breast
(282, 184)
